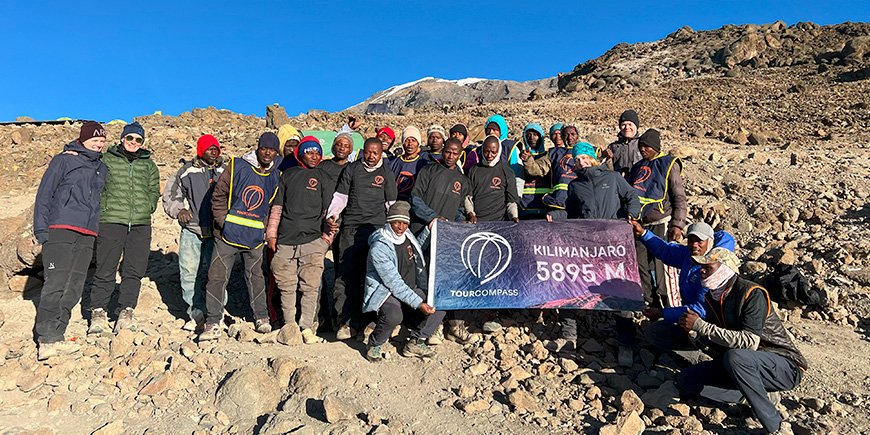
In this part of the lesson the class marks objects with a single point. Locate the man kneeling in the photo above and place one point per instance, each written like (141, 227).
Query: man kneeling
(396, 283)
(752, 352)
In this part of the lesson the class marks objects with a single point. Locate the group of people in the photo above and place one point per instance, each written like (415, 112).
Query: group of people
(282, 207)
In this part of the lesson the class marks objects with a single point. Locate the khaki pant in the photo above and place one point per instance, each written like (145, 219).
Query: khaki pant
(299, 268)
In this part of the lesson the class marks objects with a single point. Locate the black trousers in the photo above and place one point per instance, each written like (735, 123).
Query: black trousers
(393, 312)
(743, 373)
(353, 251)
(652, 271)
(222, 261)
(134, 243)
(66, 257)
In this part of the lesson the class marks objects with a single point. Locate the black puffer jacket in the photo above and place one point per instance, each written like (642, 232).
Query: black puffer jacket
(598, 193)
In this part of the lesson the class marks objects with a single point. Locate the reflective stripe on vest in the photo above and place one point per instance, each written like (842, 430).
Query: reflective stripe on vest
(244, 221)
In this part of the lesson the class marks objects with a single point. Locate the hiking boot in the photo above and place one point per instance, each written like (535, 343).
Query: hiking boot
(211, 332)
(460, 334)
(58, 348)
(310, 337)
(125, 320)
(374, 353)
(436, 338)
(625, 357)
(99, 322)
(491, 326)
(417, 348)
(197, 318)
(343, 333)
(262, 326)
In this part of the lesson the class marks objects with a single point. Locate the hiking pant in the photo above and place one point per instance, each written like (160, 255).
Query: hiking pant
(393, 312)
(743, 373)
(134, 242)
(194, 257)
(669, 337)
(66, 257)
(353, 250)
(652, 270)
(299, 268)
(219, 275)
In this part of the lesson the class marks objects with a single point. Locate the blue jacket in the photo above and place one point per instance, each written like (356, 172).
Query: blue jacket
(677, 255)
(382, 272)
(69, 193)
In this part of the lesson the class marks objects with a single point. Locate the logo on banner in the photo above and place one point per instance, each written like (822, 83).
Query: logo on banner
(486, 255)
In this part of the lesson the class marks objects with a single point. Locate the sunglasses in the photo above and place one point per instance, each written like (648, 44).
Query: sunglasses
(132, 138)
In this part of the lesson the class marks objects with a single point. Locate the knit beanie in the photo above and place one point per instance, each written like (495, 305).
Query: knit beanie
(556, 127)
(629, 115)
(651, 138)
(205, 142)
(436, 128)
(134, 128)
(269, 140)
(90, 130)
(389, 132)
(306, 144)
(460, 128)
(584, 148)
(399, 211)
(287, 132)
(411, 131)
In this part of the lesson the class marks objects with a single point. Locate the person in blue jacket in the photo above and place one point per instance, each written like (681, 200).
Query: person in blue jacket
(663, 332)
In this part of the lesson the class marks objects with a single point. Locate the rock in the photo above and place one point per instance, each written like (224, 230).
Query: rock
(466, 391)
(568, 365)
(122, 343)
(523, 402)
(276, 116)
(629, 402)
(628, 424)
(757, 138)
(593, 393)
(598, 140)
(283, 367)
(284, 423)
(158, 385)
(335, 410)
(24, 283)
(679, 409)
(22, 136)
(289, 335)
(814, 403)
(32, 380)
(306, 381)
(592, 346)
(751, 267)
(113, 428)
(536, 95)
(662, 397)
(248, 393)
(478, 369)
(473, 406)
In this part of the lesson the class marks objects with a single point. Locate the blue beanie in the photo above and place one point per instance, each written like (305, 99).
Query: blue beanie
(308, 143)
(584, 148)
(555, 127)
(269, 140)
(134, 128)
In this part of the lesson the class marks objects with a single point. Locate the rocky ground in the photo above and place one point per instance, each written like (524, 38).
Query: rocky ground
(777, 155)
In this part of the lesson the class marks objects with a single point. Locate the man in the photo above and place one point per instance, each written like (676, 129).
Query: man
(66, 219)
(406, 166)
(128, 200)
(622, 154)
(187, 198)
(289, 138)
(752, 353)
(492, 198)
(537, 169)
(663, 211)
(435, 138)
(556, 135)
(496, 125)
(396, 285)
(662, 330)
(365, 191)
(387, 138)
(294, 235)
(240, 205)
(440, 191)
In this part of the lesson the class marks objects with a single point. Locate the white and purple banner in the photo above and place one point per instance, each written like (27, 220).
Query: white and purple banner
(586, 264)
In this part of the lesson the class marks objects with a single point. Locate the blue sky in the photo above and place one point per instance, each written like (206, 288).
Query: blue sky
(108, 60)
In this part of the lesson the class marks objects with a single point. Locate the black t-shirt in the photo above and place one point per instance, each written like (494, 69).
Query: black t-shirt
(442, 189)
(406, 255)
(331, 170)
(304, 196)
(492, 188)
(367, 193)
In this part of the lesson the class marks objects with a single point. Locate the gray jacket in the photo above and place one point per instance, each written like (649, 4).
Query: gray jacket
(625, 155)
(191, 189)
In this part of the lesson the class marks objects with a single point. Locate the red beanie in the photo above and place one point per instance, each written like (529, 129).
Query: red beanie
(205, 142)
(389, 132)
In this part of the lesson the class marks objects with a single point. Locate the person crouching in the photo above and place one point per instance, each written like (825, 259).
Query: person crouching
(396, 285)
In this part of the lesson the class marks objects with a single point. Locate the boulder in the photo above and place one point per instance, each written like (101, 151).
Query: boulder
(248, 393)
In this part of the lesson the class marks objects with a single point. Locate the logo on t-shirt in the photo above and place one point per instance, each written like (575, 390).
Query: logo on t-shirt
(457, 186)
(411, 253)
(495, 183)
(379, 181)
(312, 184)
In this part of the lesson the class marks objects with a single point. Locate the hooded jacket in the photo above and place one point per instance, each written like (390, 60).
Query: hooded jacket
(191, 189)
(625, 155)
(509, 149)
(597, 193)
(69, 193)
(382, 271)
(535, 185)
(132, 187)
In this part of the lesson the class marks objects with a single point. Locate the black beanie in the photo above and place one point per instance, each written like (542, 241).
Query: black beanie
(629, 115)
(461, 128)
(651, 138)
(90, 130)
(269, 140)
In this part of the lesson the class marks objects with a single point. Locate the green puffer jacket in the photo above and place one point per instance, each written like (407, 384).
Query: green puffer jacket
(132, 188)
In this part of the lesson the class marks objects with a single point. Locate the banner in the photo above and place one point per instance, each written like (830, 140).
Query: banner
(588, 264)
